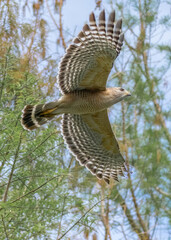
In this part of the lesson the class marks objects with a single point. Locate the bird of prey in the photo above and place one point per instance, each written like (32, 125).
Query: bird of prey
(82, 77)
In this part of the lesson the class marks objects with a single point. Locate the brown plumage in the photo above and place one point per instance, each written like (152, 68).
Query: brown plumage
(83, 72)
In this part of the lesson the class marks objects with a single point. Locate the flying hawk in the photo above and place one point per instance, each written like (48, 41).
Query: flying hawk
(82, 77)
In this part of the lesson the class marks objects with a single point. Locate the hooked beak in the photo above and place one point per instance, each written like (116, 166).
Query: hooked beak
(128, 93)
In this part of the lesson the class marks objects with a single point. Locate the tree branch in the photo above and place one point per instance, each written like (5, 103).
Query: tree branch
(12, 170)
(62, 213)
(60, 29)
(60, 24)
(5, 230)
(163, 193)
(34, 190)
(80, 219)
(105, 218)
(135, 227)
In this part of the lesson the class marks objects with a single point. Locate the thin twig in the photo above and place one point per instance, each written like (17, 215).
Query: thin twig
(52, 15)
(5, 230)
(81, 218)
(32, 191)
(5, 72)
(154, 228)
(122, 228)
(33, 150)
(105, 218)
(134, 225)
(62, 213)
(163, 193)
(60, 24)
(60, 28)
(12, 170)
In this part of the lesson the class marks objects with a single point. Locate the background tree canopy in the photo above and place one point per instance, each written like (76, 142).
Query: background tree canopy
(45, 193)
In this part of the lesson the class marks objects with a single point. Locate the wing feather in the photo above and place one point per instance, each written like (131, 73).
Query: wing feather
(89, 59)
(91, 139)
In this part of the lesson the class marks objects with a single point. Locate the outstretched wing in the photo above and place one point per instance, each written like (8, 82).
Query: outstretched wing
(88, 61)
(91, 139)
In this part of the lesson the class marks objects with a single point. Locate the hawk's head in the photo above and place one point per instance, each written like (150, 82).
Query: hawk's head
(117, 94)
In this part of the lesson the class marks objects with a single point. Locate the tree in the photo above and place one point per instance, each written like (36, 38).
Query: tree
(45, 193)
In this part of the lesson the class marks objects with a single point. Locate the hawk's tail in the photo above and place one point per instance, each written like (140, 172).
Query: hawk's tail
(37, 115)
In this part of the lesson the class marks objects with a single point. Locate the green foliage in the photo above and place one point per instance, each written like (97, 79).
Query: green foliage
(44, 191)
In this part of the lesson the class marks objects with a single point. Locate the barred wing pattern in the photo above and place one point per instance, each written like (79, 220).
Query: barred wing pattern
(88, 61)
(91, 139)
(86, 66)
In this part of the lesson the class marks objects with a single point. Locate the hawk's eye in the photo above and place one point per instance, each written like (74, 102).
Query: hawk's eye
(122, 89)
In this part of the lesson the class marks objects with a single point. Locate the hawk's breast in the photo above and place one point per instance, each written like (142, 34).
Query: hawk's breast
(85, 101)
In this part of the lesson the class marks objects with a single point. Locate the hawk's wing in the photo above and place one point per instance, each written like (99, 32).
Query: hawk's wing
(91, 139)
(88, 61)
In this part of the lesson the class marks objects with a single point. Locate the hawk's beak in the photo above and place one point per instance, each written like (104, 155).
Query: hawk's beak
(127, 93)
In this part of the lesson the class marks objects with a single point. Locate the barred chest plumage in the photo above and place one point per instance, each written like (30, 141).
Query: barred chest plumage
(87, 101)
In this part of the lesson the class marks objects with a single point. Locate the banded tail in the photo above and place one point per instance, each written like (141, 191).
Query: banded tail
(37, 115)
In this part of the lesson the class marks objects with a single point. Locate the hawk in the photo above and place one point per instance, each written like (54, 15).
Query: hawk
(82, 77)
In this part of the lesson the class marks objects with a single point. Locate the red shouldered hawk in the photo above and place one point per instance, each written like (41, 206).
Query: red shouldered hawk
(83, 72)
